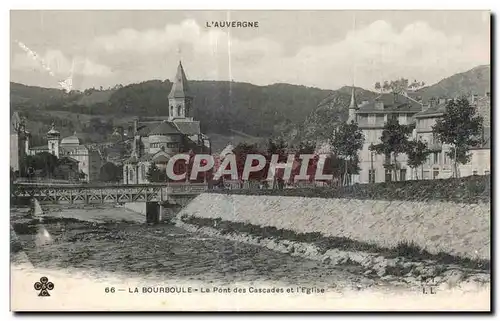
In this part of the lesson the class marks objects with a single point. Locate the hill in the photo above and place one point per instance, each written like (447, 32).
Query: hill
(330, 112)
(474, 81)
(227, 110)
(222, 107)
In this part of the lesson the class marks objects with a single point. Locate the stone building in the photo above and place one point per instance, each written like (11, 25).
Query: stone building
(408, 109)
(156, 142)
(70, 148)
(18, 144)
(439, 164)
(371, 117)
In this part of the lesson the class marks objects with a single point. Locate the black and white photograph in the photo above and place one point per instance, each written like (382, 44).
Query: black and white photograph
(250, 160)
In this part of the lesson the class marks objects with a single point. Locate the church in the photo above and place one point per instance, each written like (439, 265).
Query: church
(85, 160)
(156, 142)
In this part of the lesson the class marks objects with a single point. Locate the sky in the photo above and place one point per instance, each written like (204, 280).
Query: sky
(325, 49)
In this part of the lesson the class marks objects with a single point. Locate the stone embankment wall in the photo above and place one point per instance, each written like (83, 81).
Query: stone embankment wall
(454, 228)
(436, 225)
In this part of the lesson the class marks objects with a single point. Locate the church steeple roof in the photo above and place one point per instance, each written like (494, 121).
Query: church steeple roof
(354, 103)
(180, 87)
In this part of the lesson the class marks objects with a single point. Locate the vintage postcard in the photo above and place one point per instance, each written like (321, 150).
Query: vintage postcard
(250, 160)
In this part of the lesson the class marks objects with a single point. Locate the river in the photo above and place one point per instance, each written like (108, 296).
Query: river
(87, 240)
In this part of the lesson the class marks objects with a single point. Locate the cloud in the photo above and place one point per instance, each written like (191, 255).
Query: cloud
(57, 64)
(368, 54)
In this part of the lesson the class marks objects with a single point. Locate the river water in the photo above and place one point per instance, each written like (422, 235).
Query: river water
(134, 249)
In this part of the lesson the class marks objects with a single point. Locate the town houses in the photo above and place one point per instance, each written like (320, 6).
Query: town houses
(408, 108)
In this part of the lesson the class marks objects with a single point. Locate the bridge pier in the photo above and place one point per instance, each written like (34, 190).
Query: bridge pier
(153, 212)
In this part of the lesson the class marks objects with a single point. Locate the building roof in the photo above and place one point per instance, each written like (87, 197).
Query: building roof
(392, 103)
(188, 127)
(437, 110)
(165, 128)
(69, 159)
(180, 87)
(158, 156)
(144, 130)
(71, 140)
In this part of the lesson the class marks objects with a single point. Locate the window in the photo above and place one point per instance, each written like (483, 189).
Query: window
(372, 118)
(172, 145)
(371, 176)
(402, 174)
(435, 173)
(388, 175)
(171, 110)
(178, 110)
(131, 174)
(445, 159)
(436, 158)
(143, 171)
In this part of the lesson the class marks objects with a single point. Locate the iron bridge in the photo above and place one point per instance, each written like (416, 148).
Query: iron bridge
(98, 194)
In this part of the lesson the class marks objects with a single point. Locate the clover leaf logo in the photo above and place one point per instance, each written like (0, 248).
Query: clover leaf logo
(44, 286)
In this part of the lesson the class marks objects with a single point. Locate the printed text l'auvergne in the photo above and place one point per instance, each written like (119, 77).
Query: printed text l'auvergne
(232, 24)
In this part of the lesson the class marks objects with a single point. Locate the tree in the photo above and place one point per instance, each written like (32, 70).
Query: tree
(154, 174)
(346, 141)
(277, 147)
(417, 153)
(44, 162)
(460, 127)
(378, 87)
(394, 141)
(400, 85)
(386, 87)
(109, 172)
(241, 151)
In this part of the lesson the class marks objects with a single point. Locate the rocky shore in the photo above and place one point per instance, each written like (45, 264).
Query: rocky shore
(387, 267)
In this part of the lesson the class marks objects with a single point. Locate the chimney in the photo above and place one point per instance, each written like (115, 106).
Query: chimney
(136, 123)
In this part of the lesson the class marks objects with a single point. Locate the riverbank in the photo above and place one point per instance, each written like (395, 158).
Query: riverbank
(432, 237)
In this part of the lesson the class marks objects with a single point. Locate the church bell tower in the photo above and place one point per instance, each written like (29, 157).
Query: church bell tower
(180, 99)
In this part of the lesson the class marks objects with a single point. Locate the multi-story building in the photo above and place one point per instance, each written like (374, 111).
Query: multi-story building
(371, 117)
(439, 164)
(70, 148)
(156, 142)
(408, 109)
